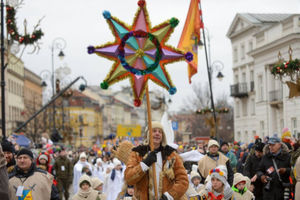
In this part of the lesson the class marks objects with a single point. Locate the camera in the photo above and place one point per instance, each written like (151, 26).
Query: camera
(268, 185)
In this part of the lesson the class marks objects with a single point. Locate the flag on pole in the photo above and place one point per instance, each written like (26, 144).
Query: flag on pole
(190, 36)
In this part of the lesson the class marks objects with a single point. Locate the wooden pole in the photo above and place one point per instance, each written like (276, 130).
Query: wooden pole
(151, 140)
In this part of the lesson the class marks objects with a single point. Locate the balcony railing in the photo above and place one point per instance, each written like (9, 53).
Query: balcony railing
(239, 90)
(275, 96)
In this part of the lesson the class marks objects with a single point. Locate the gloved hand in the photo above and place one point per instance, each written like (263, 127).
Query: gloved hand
(281, 170)
(263, 179)
(163, 197)
(150, 159)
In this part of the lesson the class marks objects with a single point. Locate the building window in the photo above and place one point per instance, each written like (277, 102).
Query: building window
(235, 54)
(9, 112)
(246, 138)
(294, 126)
(253, 134)
(250, 45)
(251, 80)
(236, 78)
(237, 109)
(261, 88)
(242, 52)
(244, 77)
(252, 107)
(238, 136)
(245, 108)
(262, 128)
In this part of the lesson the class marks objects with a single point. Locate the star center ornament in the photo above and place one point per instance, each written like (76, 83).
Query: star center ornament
(139, 52)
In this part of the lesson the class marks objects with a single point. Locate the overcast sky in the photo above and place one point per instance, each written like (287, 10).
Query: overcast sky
(80, 23)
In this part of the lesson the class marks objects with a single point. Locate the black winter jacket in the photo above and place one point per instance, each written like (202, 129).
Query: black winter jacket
(266, 167)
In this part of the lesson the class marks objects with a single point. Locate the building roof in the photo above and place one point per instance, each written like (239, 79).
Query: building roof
(265, 18)
(257, 20)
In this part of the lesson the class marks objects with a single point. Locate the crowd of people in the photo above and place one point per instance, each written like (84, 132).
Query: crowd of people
(267, 169)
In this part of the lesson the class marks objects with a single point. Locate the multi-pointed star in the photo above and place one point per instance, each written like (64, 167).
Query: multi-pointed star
(140, 52)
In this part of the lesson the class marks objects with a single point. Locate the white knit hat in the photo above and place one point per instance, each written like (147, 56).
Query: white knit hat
(96, 182)
(220, 172)
(82, 155)
(213, 142)
(43, 156)
(194, 172)
(116, 162)
(99, 160)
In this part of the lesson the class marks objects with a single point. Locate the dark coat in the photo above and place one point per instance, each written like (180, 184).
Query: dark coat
(250, 169)
(63, 163)
(283, 161)
(4, 194)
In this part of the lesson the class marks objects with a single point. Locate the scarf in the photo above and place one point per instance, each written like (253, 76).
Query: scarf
(239, 191)
(21, 174)
(227, 191)
(113, 174)
(214, 197)
(276, 154)
(83, 193)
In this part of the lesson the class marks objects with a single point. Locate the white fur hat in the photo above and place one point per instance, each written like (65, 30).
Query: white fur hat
(156, 124)
(213, 142)
(82, 155)
(194, 173)
(220, 172)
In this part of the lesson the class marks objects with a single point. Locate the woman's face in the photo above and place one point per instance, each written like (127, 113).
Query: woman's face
(216, 183)
(85, 186)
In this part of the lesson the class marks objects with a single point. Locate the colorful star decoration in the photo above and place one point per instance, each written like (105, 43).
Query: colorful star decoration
(140, 52)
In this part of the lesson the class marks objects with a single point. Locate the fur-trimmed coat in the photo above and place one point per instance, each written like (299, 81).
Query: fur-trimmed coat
(173, 178)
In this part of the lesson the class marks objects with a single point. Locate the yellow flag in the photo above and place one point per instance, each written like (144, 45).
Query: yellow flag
(190, 36)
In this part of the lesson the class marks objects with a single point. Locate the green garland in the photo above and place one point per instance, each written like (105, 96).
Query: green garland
(210, 110)
(13, 30)
(286, 68)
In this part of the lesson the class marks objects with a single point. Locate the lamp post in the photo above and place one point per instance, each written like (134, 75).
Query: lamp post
(209, 72)
(2, 73)
(60, 44)
(218, 66)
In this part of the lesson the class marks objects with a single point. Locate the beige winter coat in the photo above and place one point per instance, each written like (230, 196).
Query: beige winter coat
(297, 189)
(38, 184)
(207, 163)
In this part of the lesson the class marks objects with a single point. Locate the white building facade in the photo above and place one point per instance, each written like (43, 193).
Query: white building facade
(261, 102)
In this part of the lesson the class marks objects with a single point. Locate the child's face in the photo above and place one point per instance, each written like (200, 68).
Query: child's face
(240, 186)
(130, 191)
(85, 186)
(216, 183)
(43, 162)
(196, 181)
(99, 188)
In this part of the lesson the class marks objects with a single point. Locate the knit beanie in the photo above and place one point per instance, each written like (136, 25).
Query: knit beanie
(213, 142)
(220, 172)
(96, 182)
(7, 146)
(82, 155)
(194, 173)
(43, 156)
(259, 147)
(25, 151)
